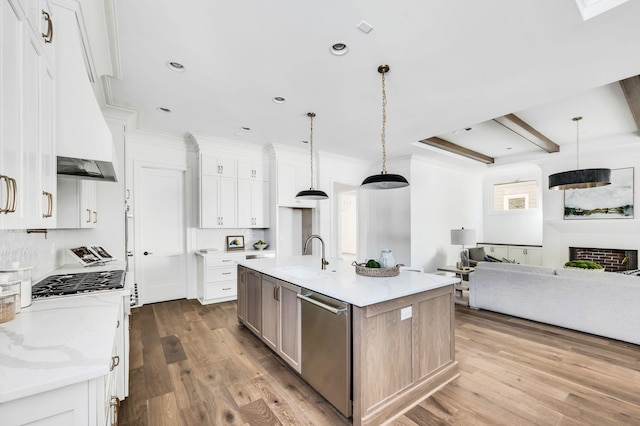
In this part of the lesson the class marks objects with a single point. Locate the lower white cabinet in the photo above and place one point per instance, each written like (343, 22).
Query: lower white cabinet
(217, 276)
(530, 255)
(93, 402)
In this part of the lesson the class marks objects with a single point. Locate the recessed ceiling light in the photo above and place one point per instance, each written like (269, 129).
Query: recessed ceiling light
(339, 48)
(164, 109)
(304, 141)
(508, 148)
(279, 100)
(246, 129)
(176, 66)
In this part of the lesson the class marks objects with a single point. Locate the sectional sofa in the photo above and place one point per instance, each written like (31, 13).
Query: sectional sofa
(602, 303)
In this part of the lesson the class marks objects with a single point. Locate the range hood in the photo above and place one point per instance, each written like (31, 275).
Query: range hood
(85, 147)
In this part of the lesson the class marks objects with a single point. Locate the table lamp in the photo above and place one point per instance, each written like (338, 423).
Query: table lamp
(463, 237)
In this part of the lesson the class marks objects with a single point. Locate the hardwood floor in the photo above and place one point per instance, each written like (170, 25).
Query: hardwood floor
(194, 365)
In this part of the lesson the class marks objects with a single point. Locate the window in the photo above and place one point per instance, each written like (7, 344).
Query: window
(515, 196)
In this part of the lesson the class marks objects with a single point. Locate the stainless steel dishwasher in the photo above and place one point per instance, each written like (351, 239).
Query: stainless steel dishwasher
(326, 348)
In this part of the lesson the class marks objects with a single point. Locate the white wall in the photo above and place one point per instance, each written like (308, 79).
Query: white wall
(512, 227)
(442, 198)
(560, 234)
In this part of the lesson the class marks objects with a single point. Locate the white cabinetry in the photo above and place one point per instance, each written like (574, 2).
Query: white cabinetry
(252, 170)
(291, 179)
(27, 144)
(218, 192)
(530, 255)
(217, 276)
(77, 203)
(253, 204)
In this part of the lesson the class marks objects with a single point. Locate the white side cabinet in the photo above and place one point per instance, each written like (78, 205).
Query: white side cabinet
(217, 276)
(529, 255)
(77, 203)
(291, 179)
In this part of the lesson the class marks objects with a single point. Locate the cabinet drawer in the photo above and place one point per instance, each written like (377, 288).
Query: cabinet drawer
(230, 260)
(220, 289)
(221, 274)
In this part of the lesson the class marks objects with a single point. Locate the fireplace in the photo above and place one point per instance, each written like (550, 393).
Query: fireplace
(613, 260)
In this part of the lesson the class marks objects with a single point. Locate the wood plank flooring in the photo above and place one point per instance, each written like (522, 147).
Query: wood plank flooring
(194, 365)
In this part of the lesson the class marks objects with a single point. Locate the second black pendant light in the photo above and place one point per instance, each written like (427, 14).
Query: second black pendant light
(311, 193)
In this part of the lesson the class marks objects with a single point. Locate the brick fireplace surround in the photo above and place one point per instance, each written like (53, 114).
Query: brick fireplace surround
(613, 260)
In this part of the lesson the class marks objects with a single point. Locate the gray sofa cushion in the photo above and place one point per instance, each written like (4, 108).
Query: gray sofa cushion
(516, 267)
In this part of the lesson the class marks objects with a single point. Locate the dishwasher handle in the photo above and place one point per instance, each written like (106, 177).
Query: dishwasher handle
(336, 311)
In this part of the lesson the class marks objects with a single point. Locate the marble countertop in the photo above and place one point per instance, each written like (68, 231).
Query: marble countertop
(341, 282)
(56, 342)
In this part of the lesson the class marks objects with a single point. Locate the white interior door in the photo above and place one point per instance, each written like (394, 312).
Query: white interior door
(160, 235)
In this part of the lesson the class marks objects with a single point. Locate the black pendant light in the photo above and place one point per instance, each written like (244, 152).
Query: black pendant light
(384, 180)
(579, 178)
(311, 194)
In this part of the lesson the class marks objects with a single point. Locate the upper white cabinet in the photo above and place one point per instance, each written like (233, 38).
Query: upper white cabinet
(252, 170)
(218, 166)
(77, 203)
(291, 179)
(27, 116)
(233, 185)
(253, 204)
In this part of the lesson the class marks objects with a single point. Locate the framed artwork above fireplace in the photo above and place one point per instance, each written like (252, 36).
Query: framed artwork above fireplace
(614, 201)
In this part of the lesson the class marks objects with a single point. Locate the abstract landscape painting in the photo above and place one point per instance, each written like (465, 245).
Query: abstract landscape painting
(613, 201)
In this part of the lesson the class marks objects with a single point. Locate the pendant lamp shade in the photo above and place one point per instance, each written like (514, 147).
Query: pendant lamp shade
(579, 178)
(384, 180)
(311, 193)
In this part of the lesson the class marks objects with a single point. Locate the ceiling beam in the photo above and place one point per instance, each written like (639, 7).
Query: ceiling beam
(631, 88)
(457, 149)
(524, 130)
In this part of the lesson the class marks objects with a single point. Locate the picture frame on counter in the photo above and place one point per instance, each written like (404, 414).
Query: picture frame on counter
(235, 242)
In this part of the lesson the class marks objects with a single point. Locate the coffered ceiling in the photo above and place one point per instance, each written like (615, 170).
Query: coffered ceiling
(455, 65)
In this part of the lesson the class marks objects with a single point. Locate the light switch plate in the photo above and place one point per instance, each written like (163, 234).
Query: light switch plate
(405, 313)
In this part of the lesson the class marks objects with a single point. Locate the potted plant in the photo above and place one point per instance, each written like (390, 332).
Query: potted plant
(584, 264)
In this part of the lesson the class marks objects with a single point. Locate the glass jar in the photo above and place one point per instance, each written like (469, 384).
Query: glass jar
(386, 259)
(14, 272)
(10, 288)
(7, 307)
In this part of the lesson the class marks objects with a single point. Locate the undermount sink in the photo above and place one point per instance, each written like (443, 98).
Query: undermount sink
(302, 272)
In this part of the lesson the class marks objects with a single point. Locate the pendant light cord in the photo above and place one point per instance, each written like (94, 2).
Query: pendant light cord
(577, 120)
(311, 115)
(384, 123)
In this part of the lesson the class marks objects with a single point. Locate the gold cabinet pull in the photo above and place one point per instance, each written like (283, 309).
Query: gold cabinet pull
(115, 361)
(8, 187)
(88, 216)
(115, 404)
(49, 212)
(14, 196)
(95, 217)
(48, 37)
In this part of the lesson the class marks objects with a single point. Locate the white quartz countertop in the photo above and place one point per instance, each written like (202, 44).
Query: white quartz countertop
(56, 342)
(341, 282)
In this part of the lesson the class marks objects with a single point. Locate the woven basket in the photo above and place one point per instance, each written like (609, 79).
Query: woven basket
(361, 269)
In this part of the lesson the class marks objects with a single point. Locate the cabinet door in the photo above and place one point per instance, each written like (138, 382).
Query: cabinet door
(252, 170)
(270, 312)
(228, 167)
(245, 204)
(12, 169)
(519, 254)
(498, 252)
(47, 189)
(209, 194)
(253, 311)
(227, 203)
(289, 324)
(260, 204)
(88, 198)
(534, 256)
(242, 289)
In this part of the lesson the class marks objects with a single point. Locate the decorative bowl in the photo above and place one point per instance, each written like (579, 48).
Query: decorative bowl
(260, 246)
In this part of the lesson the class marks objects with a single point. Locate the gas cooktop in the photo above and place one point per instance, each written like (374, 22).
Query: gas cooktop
(84, 282)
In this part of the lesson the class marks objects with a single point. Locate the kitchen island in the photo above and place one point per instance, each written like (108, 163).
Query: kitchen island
(401, 329)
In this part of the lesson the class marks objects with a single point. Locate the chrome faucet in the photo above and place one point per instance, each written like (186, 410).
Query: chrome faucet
(306, 245)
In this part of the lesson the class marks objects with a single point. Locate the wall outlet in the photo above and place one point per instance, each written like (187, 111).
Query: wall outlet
(405, 313)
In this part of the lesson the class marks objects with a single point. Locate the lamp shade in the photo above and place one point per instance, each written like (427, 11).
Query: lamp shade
(312, 194)
(579, 179)
(384, 181)
(463, 237)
